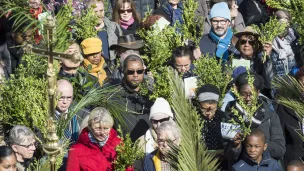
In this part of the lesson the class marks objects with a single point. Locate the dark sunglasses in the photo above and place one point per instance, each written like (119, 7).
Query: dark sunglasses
(160, 121)
(123, 11)
(132, 72)
(251, 42)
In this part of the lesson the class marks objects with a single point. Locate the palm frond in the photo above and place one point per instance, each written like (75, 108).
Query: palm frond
(291, 95)
(95, 97)
(192, 153)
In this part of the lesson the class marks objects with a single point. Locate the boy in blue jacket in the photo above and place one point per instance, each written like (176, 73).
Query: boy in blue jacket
(255, 158)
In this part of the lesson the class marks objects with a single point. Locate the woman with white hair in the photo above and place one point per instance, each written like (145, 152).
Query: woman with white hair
(95, 148)
(166, 131)
(22, 140)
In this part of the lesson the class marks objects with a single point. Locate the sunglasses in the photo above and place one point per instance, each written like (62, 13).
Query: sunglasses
(251, 42)
(123, 11)
(160, 121)
(132, 72)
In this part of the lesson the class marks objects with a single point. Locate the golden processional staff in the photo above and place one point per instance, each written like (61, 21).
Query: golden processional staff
(52, 147)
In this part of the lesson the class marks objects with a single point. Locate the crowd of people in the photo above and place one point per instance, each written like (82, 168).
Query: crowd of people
(114, 58)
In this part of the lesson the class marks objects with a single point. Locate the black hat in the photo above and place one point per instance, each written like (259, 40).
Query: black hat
(128, 41)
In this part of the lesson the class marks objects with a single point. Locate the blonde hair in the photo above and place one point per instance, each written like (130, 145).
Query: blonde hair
(100, 115)
(89, 3)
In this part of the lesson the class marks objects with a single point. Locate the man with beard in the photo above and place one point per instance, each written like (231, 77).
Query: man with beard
(217, 42)
(136, 107)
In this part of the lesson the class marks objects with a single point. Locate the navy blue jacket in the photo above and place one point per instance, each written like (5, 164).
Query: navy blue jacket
(148, 162)
(267, 164)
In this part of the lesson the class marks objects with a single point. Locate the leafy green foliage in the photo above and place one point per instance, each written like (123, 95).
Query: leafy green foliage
(210, 71)
(24, 97)
(20, 13)
(127, 152)
(192, 26)
(249, 109)
(269, 30)
(62, 33)
(85, 25)
(192, 154)
(296, 9)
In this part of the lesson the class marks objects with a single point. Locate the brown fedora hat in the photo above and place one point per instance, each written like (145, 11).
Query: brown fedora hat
(128, 41)
(248, 31)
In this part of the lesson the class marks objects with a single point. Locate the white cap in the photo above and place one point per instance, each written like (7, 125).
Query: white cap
(160, 109)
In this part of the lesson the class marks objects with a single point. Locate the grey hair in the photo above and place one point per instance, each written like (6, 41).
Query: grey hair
(100, 115)
(170, 126)
(19, 134)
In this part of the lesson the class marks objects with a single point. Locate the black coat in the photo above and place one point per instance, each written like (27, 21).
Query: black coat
(290, 123)
(131, 29)
(135, 111)
(254, 12)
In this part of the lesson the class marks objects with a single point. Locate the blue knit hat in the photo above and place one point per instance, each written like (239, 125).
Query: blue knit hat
(220, 10)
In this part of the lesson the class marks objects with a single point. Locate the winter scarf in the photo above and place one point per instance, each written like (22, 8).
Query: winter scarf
(174, 14)
(157, 161)
(96, 70)
(126, 24)
(222, 44)
(93, 140)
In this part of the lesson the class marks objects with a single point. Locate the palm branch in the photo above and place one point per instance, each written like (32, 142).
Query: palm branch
(291, 95)
(95, 97)
(192, 153)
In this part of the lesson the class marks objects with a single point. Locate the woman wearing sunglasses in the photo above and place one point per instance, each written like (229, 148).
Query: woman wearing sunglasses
(124, 13)
(251, 49)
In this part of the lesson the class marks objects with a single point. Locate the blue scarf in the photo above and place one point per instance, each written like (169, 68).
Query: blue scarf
(93, 140)
(222, 44)
(174, 14)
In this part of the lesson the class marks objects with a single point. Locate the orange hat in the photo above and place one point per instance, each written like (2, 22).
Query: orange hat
(91, 45)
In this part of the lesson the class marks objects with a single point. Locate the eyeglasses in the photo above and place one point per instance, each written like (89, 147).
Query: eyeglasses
(162, 141)
(35, 144)
(222, 22)
(68, 98)
(250, 42)
(182, 66)
(160, 121)
(132, 72)
(127, 10)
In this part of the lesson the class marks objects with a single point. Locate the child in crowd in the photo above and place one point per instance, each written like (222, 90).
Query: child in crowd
(295, 165)
(255, 158)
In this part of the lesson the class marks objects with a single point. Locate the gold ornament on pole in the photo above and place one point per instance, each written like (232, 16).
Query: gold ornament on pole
(52, 148)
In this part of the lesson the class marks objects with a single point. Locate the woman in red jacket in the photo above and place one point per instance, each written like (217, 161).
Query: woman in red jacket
(95, 148)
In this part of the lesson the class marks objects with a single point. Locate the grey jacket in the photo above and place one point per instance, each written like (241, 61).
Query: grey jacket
(202, 9)
(111, 27)
(239, 24)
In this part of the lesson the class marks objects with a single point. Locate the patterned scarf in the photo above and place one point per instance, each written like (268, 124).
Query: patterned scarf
(93, 140)
(210, 135)
(96, 70)
(222, 44)
(126, 24)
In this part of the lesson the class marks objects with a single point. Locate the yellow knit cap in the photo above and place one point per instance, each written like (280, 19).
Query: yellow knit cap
(91, 45)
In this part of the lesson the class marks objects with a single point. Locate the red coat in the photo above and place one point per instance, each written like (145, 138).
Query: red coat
(88, 156)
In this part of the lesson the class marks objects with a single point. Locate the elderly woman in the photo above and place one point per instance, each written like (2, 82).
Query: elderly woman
(22, 140)
(8, 159)
(95, 149)
(253, 51)
(166, 131)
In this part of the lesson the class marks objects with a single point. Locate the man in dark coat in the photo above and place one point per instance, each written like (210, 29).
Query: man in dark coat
(136, 107)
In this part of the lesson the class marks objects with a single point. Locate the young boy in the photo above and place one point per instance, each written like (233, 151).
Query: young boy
(255, 157)
(295, 165)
